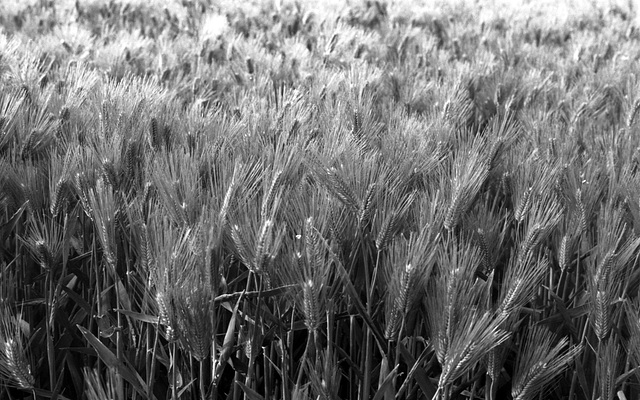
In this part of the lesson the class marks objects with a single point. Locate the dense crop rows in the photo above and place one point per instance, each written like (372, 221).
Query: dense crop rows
(281, 201)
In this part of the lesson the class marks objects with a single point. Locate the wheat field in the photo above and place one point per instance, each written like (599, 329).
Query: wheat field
(303, 200)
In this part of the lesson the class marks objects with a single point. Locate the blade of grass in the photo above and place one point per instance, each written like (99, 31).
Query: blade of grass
(112, 361)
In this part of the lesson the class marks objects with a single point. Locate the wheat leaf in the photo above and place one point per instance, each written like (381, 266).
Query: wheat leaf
(150, 319)
(385, 390)
(112, 361)
(251, 394)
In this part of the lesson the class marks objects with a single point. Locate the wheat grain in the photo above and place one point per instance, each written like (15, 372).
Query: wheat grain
(14, 365)
(539, 362)
(311, 307)
(164, 318)
(17, 364)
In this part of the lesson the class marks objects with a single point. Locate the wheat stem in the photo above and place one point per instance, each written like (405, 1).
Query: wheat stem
(366, 385)
(304, 357)
(594, 392)
(49, 327)
(201, 375)
(174, 377)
